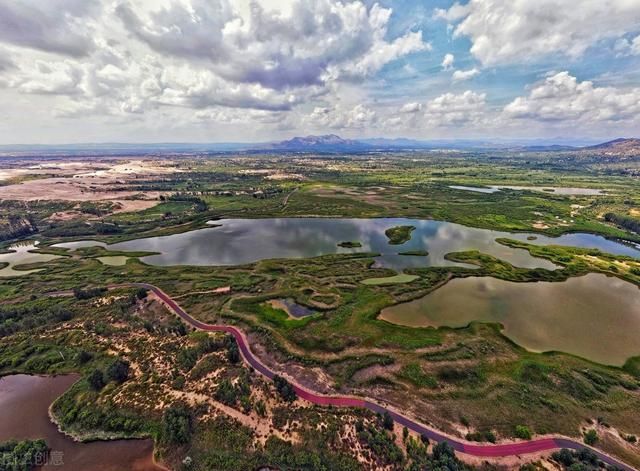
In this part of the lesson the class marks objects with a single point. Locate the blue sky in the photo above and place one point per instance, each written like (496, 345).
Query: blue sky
(244, 70)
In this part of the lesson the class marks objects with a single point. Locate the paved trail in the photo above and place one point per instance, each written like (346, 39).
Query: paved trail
(501, 450)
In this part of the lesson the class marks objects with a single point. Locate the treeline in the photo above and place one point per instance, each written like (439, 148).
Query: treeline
(629, 223)
(76, 229)
(18, 318)
(199, 205)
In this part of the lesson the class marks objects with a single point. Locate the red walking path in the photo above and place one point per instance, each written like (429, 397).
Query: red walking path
(501, 450)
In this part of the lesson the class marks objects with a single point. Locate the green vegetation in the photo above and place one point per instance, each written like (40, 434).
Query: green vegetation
(399, 234)
(626, 222)
(415, 253)
(414, 373)
(390, 280)
(177, 425)
(132, 355)
(584, 459)
(591, 437)
(23, 455)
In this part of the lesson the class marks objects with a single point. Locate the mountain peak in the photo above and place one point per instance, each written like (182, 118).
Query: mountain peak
(322, 143)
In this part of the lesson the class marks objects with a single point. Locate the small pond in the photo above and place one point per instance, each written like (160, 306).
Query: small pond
(22, 254)
(291, 307)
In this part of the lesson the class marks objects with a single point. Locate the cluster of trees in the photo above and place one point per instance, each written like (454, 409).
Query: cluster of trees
(18, 318)
(81, 228)
(88, 293)
(230, 394)
(188, 357)
(629, 223)
(443, 457)
(380, 442)
(23, 455)
(199, 205)
(583, 460)
(117, 371)
(177, 425)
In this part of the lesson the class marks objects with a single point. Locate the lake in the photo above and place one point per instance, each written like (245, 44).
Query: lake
(24, 402)
(592, 316)
(241, 241)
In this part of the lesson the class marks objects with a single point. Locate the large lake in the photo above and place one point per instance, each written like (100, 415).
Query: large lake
(240, 241)
(593, 316)
(24, 404)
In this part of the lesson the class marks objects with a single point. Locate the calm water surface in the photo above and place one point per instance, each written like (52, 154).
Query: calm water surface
(22, 254)
(593, 316)
(547, 189)
(240, 241)
(24, 403)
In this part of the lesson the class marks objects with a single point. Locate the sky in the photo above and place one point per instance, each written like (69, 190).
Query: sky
(145, 71)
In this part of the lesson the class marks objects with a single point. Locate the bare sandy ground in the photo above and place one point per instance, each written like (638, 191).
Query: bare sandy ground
(85, 181)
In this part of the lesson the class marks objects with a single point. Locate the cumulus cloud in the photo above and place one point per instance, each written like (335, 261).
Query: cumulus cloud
(413, 107)
(58, 26)
(455, 109)
(460, 75)
(454, 13)
(341, 117)
(561, 97)
(504, 31)
(305, 46)
(131, 57)
(447, 62)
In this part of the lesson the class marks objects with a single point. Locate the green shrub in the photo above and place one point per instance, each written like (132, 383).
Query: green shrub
(523, 432)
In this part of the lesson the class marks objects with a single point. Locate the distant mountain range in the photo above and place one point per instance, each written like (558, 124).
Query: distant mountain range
(333, 144)
(326, 143)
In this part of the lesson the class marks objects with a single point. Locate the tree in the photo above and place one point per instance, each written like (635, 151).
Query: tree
(591, 437)
(387, 420)
(96, 380)
(177, 424)
(141, 293)
(233, 354)
(118, 371)
(284, 388)
(83, 357)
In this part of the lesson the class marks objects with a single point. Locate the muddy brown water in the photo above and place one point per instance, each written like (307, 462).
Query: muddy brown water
(592, 316)
(24, 404)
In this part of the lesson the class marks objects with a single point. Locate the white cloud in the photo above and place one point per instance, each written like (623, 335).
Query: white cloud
(455, 109)
(561, 97)
(341, 117)
(454, 13)
(447, 62)
(504, 31)
(626, 47)
(460, 75)
(305, 45)
(413, 107)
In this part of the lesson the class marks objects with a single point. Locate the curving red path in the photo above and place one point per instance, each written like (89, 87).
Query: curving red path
(507, 449)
